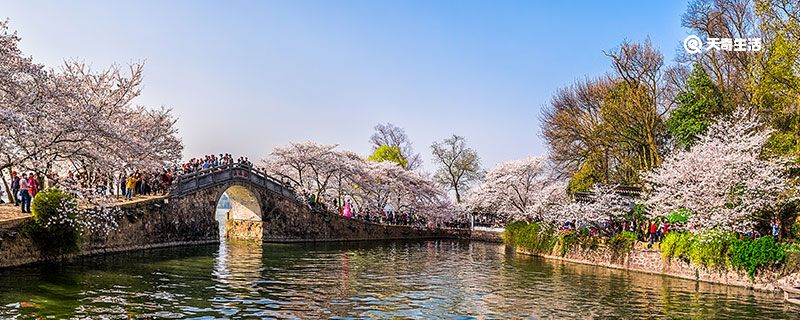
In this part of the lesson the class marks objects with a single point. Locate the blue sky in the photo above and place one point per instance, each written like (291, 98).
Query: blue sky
(245, 76)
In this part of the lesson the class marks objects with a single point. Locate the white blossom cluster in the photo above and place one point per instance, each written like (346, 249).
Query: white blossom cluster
(525, 190)
(330, 176)
(603, 203)
(723, 179)
(84, 214)
(98, 213)
(66, 214)
(517, 190)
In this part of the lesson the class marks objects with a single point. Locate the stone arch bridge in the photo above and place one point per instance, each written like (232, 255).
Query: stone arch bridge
(264, 209)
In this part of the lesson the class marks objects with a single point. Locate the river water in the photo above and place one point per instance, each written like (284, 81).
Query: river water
(420, 279)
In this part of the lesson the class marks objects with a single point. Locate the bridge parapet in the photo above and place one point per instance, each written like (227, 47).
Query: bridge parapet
(215, 176)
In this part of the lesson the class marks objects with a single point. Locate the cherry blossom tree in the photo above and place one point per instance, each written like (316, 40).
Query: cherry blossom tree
(724, 179)
(374, 187)
(516, 190)
(602, 203)
(389, 185)
(77, 119)
(308, 166)
(527, 190)
(25, 88)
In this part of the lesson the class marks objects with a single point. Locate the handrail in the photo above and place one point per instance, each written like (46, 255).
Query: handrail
(179, 186)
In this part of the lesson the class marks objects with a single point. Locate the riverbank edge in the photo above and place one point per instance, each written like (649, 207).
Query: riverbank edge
(68, 258)
(650, 261)
(21, 251)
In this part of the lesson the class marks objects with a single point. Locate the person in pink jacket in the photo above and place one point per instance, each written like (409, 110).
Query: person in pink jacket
(347, 208)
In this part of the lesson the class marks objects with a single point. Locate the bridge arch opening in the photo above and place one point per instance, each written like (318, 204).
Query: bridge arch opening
(241, 214)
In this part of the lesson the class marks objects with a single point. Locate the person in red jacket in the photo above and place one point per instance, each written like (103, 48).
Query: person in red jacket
(33, 185)
(653, 232)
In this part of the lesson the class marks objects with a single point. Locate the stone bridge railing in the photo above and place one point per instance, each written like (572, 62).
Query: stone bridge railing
(214, 176)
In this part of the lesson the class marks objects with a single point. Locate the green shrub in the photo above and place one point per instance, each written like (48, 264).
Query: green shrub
(590, 243)
(710, 249)
(533, 237)
(751, 255)
(683, 245)
(717, 249)
(676, 245)
(622, 243)
(707, 249)
(55, 228)
(667, 246)
(679, 215)
(567, 241)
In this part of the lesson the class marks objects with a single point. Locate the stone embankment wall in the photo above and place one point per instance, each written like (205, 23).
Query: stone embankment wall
(286, 221)
(141, 225)
(487, 236)
(643, 259)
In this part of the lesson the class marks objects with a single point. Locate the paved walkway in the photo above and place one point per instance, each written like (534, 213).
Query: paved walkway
(10, 212)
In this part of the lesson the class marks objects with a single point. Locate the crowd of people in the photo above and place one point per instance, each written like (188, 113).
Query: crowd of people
(145, 183)
(24, 188)
(159, 183)
(212, 161)
(347, 209)
(650, 231)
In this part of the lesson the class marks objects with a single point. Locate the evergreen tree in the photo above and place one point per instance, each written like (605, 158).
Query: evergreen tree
(700, 103)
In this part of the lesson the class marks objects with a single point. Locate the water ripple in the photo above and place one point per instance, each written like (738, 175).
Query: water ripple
(419, 280)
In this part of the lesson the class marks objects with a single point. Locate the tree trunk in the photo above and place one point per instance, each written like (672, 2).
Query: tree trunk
(11, 198)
